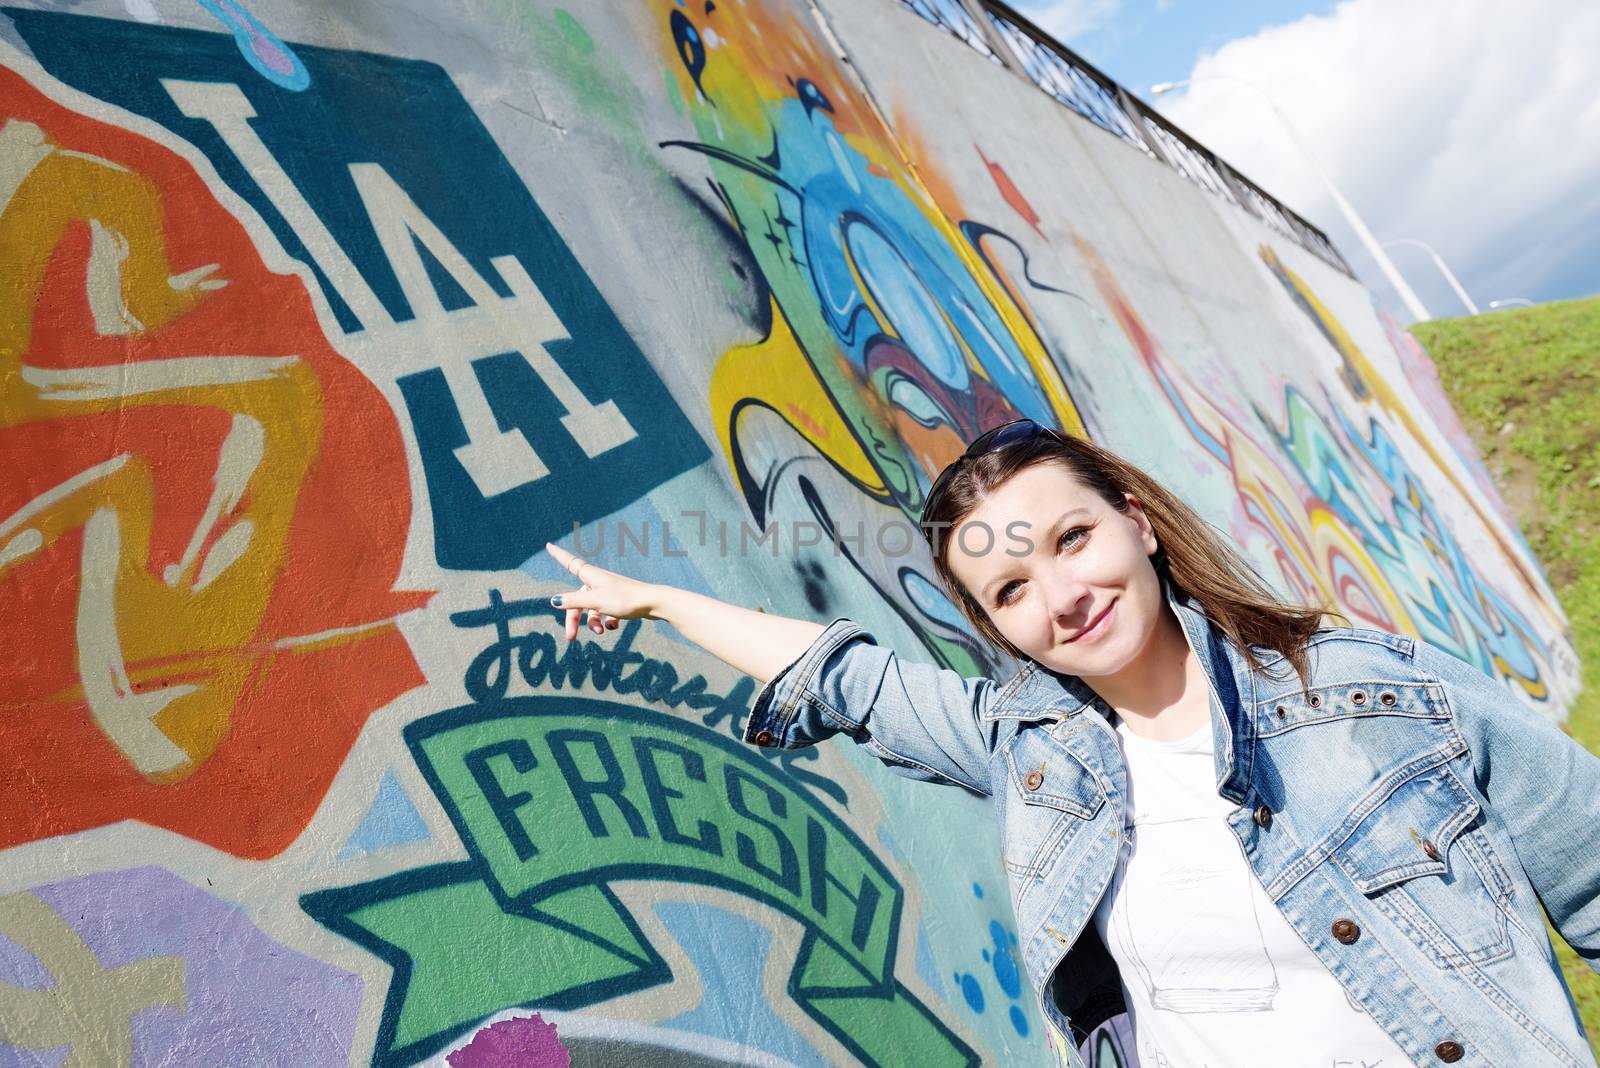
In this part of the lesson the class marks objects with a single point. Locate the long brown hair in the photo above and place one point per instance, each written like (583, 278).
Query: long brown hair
(1190, 554)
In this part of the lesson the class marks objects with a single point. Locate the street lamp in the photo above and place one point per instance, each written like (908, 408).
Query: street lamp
(1449, 275)
(1390, 271)
(1525, 302)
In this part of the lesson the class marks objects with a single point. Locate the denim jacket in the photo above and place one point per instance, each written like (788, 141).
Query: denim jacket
(1406, 814)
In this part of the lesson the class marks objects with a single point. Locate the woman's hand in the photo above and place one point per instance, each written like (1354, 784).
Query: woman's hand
(751, 640)
(605, 597)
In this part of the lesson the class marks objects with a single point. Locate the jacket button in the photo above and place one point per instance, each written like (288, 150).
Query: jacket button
(1263, 817)
(1315, 700)
(1034, 779)
(1346, 931)
(1429, 848)
(1449, 1051)
(1387, 697)
(1282, 712)
(763, 737)
(1359, 697)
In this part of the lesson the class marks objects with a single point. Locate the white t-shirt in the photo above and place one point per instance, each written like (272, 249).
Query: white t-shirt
(1213, 974)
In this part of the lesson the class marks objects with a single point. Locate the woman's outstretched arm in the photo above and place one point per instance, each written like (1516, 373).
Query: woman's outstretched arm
(924, 721)
(757, 643)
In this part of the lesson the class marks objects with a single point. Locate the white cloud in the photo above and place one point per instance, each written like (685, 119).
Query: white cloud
(1066, 19)
(1474, 129)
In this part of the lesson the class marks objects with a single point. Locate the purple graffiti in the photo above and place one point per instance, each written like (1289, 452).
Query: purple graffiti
(144, 968)
(261, 48)
(520, 1042)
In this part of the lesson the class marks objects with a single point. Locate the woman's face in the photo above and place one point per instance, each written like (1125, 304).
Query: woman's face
(1064, 576)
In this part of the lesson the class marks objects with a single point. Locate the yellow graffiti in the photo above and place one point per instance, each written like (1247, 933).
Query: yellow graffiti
(1334, 544)
(1315, 550)
(776, 372)
(936, 192)
(743, 81)
(157, 647)
(1367, 384)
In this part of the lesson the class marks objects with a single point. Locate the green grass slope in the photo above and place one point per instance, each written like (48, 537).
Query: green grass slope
(1526, 384)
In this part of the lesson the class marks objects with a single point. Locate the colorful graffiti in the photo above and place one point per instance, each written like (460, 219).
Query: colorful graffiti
(521, 1040)
(1423, 377)
(316, 325)
(472, 305)
(623, 794)
(261, 48)
(1347, 520)
(1367, 385)
(1000, 960)
(185, 471)
(139, 967)
(890, 340)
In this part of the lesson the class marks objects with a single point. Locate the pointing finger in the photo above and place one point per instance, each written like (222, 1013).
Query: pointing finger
(563, 557)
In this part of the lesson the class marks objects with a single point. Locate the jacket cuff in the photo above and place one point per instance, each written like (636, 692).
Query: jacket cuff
(772, 715)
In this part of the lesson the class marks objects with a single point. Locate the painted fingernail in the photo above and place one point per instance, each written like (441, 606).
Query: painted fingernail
(556, 600)
(611, 624)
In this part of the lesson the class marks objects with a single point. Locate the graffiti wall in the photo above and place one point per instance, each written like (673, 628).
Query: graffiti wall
(318, 321)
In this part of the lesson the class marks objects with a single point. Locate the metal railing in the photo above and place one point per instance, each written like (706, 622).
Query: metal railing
(951, 16)
(996, 31)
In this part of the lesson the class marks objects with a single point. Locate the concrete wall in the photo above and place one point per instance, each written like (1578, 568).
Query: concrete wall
(318, 320)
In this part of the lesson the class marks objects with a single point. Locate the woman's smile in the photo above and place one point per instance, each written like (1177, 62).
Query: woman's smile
(1096, 627)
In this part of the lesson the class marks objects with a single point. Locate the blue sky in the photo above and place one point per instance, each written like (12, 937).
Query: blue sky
(1447, 123)
(1143, 42)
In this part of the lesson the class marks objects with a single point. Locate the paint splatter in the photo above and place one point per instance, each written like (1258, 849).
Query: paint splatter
(1002, 961)
(1012, 195)
(520, 1042)
(971, 990)
(261, 48)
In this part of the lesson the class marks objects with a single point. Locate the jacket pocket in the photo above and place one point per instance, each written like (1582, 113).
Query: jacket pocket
(1049, 796)
(1422, 857)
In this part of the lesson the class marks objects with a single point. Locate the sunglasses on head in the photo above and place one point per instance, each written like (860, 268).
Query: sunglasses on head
(1001, 437)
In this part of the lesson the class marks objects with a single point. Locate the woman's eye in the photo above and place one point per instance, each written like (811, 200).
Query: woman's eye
(1070, 539)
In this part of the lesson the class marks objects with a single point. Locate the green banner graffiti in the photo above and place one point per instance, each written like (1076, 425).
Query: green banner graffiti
(555, 799)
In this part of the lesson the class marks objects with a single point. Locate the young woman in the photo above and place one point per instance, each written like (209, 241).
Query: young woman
(1272, 843)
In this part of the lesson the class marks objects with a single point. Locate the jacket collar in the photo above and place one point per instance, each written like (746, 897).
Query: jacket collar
(1036, 693)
